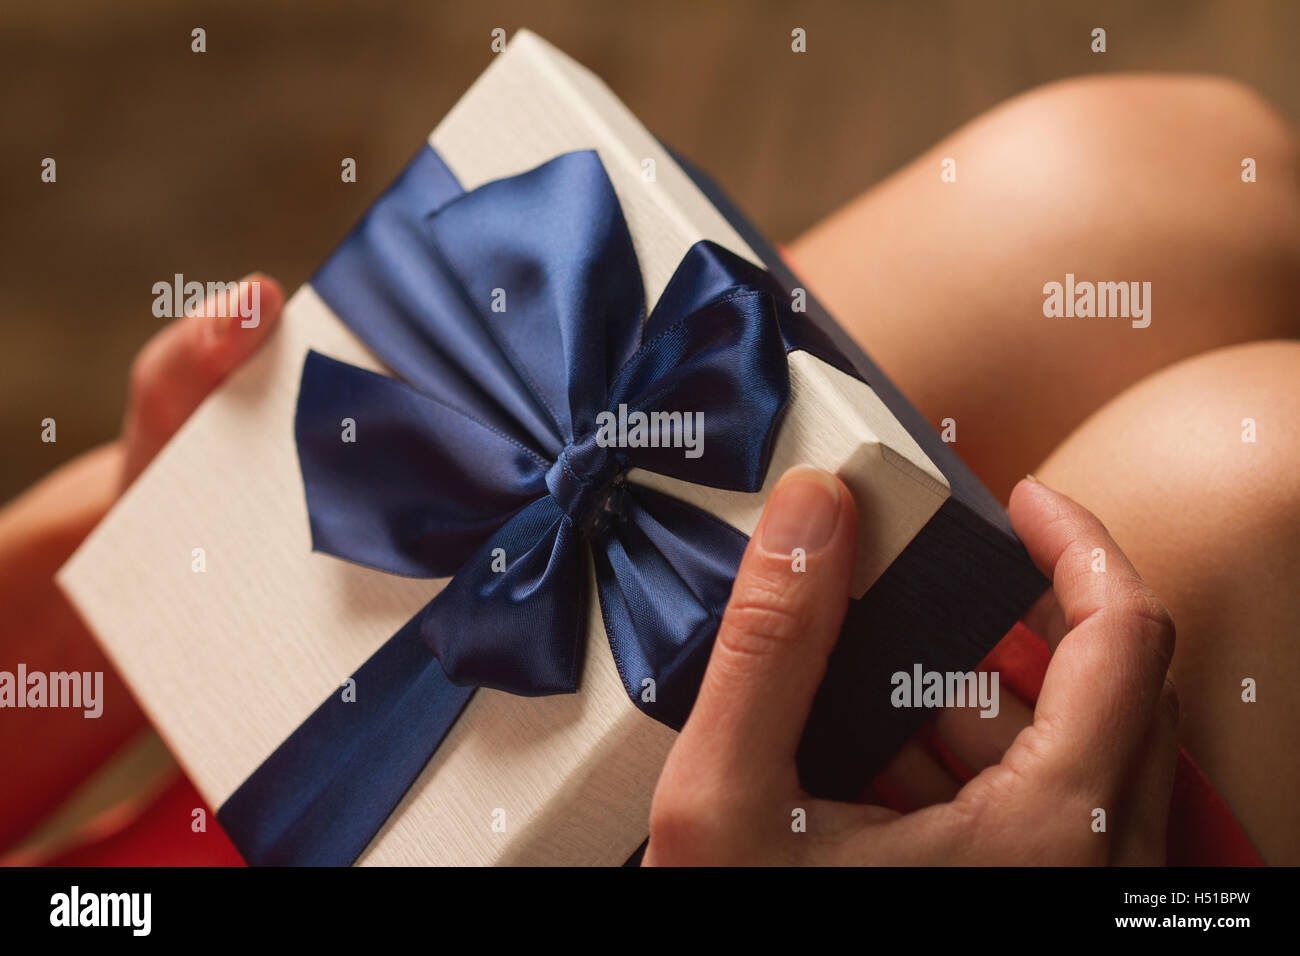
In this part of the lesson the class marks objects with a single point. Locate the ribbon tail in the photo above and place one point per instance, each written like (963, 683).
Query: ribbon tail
(664, 576)
(325, 792)
(516, 627)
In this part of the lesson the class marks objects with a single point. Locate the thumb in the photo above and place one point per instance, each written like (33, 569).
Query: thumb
(784, 617)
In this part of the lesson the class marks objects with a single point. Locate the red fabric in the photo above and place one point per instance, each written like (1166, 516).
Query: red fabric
(49, 752)
(1202, 829)
(162, 835)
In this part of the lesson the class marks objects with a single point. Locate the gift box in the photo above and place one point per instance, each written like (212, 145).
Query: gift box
(434, 576)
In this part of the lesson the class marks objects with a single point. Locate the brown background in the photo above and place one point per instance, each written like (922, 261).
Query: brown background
(217, 164)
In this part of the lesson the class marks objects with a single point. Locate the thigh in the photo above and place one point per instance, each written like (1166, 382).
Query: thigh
(1110, 179)
(1196, 473)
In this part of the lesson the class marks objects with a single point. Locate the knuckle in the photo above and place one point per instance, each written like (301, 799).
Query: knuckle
(147, 391)
(974, 806)
(1030, 751)
(759, 621)
(680, 826)
(1139, 604)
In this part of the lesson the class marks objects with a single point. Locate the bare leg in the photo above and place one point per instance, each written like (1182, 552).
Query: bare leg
(1212, 523)
(1112, 179)
(1116, 178)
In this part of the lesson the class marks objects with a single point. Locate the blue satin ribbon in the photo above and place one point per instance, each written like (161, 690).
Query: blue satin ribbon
(514, 315)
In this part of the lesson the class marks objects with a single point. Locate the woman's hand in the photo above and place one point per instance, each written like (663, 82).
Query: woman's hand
(186, 360)
(55, 749)
(1101, 737)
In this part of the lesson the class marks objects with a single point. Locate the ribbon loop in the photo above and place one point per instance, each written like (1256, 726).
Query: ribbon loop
(546, 260)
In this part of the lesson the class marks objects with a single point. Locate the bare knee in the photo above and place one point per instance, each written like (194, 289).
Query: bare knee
(1194, 470)
(1159, 165)
(1220, 430)
(1133, 101)
(1152, 126)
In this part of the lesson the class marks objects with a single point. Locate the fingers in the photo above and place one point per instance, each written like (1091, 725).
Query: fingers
(979, 741)
(1103, 684)
(914, 778)
(1142, 832)
(780, 626)
(1046, 619)
(189, 357)
(917, 778)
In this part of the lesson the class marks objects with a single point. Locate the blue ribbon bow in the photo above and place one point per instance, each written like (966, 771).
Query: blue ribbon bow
(516, 315)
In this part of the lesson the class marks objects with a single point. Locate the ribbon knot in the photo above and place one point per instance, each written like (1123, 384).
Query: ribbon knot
(582, 482)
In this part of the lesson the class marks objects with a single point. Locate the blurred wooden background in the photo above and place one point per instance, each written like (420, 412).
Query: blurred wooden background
(217, 164)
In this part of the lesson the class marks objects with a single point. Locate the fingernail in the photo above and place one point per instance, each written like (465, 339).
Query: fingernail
(1031, 478)
(802, 511)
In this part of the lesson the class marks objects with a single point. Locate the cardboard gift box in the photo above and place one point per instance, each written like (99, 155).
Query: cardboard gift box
(232, 662)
